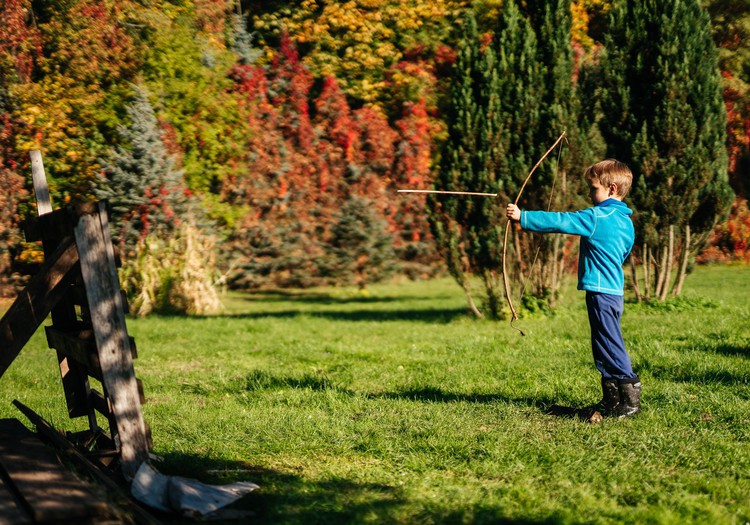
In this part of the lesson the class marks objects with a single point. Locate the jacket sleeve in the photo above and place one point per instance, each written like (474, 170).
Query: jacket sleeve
(581, 223)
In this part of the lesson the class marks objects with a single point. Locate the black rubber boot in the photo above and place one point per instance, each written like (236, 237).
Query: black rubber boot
(610, 397)
(630, 397)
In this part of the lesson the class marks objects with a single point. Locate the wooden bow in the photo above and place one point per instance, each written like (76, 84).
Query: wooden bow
(507, 229)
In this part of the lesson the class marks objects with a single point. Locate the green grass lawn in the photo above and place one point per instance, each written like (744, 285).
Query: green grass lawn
(396, 407)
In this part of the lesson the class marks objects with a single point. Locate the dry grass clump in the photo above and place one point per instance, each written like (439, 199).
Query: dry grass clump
(175, 275)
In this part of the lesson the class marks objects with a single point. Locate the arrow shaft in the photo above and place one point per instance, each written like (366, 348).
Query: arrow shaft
(451, 192)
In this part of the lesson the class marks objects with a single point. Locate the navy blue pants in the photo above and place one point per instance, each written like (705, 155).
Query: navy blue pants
(610, 356)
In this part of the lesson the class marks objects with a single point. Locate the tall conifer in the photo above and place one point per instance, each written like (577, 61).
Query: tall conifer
(558, 111)
(663, 114)
(449, 215)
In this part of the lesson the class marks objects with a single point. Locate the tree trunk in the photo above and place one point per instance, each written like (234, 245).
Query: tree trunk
(634, 277)
(519, 256)
(472, 307)
(668, 268)
(677, 290)
(553, 274)
(494, 296)
(662, 271)
(561, 266)
(646, 276)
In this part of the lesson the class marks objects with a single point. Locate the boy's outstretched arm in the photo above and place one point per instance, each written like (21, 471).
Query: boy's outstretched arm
(581, 223)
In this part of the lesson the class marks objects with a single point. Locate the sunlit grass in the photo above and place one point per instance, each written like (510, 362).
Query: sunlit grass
(396, 406)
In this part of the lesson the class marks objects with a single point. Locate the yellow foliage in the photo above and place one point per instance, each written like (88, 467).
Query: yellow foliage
(359, 40)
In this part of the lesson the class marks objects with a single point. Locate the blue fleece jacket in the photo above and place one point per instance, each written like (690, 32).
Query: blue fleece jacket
(607, 236)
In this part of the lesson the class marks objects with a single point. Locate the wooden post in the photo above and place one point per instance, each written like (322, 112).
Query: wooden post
(108, 320)
(74, 379)
(43, 203)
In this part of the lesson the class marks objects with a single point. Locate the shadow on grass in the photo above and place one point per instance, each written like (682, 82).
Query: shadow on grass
(284, 497)
(283, 296)
(688, 372)
(428, 315)
(732, 350)
(265, 380)
(437, 395)
(288, 498)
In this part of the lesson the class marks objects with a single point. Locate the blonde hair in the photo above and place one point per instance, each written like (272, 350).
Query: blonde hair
(608, 172)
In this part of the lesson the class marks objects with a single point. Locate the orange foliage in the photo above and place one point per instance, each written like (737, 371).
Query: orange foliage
(730, 241)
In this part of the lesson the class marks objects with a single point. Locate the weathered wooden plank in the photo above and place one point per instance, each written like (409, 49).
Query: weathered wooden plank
(79, 346)
(110, 332)
(142, 516)
(43, 202)
(11, 510)
(35, 302)
(50, 492)
(56, 224)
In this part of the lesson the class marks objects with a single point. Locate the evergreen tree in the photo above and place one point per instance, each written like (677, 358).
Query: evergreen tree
(241, 42)
(142, 184)
(449, 215)
(360, 245)
(493, 126)
(558, 111)
(663, 114)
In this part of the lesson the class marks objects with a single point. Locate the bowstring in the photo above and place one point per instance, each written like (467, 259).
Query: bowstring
(539, 242)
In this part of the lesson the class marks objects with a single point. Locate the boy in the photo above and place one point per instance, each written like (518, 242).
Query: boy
(607, 237)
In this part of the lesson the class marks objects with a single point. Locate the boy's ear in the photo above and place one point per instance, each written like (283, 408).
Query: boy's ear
(614, 189)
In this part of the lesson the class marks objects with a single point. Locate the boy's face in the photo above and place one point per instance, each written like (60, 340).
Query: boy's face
(599, 193)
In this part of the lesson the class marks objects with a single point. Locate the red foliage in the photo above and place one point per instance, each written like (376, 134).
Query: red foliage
(11, 192)
(730, 241)
(377, 140)
(300, 171)
(290, 83)
(414, 151)
(738, 128)
(20, 41)
(412, 170)
(337, 138)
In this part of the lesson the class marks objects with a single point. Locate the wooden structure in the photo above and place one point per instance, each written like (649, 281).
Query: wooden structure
(78, 285)
(39, 489)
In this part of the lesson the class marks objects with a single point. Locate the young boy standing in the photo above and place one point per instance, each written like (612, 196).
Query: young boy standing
(607, 236)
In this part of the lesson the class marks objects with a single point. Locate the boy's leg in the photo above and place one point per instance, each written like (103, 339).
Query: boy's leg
(610, 356)
(607, 345)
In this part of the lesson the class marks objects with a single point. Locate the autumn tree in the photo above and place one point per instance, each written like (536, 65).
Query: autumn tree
(412, 168)
(73, 100)
(358, 42)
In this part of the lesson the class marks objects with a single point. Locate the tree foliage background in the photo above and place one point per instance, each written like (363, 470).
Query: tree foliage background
(291, 124)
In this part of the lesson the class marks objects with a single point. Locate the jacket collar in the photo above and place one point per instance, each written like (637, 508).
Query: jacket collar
(612, 202)
(618, 205)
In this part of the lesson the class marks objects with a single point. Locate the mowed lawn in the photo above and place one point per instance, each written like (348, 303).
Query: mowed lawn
(397, 407)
